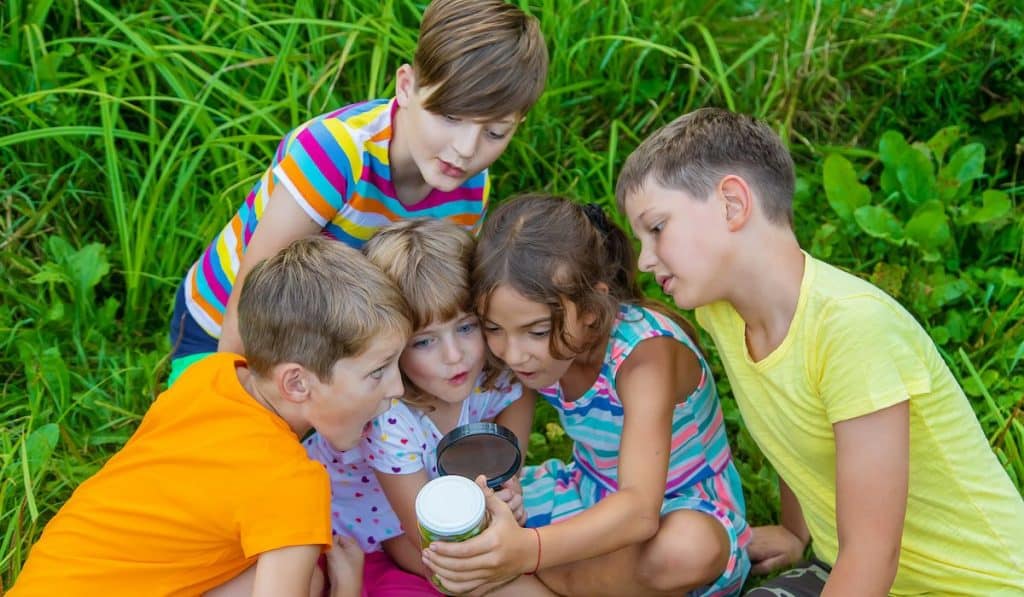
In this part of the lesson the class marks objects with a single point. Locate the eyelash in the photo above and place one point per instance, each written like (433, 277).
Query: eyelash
(378, 374)
(492, 135)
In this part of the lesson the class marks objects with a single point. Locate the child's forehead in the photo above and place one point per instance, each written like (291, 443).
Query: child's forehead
(509, 305)
(380, 347)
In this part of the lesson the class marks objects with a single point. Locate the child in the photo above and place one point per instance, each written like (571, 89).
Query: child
(206, 489)
(479, 67)
(447, 384)
(881, 461)
(651, 502)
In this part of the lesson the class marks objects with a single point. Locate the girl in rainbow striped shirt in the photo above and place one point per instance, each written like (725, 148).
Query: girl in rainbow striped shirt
(479, 67)
(651, 502)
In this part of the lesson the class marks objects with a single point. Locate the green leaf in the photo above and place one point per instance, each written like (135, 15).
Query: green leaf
(917, 174)
(40, 445)
(929, 229)
(942, 141)
(911, 165)
(844, 191)
(880, 223)
(965, 165)
(994, 205)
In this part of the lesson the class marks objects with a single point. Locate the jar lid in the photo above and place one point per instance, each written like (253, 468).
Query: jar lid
(450, 505)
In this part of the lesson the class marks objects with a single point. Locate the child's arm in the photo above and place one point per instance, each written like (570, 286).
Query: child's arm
(872, 470)
(282, 222)
(401, 491)
(518, 417)
(658, 373)
(778, 546)
(285, 571)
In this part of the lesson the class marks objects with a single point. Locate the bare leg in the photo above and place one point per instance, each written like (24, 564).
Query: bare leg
(243, 584)
(690, 550)
(523, 586)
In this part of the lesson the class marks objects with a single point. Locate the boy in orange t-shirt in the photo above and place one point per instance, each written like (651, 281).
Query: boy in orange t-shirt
(214, 493)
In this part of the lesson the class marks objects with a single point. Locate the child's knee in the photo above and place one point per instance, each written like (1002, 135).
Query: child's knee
(691, 550)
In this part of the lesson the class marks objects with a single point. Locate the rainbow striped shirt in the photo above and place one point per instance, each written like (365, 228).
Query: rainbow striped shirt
(336, 166)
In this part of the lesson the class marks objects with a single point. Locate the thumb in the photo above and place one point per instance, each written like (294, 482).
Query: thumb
(495, 505)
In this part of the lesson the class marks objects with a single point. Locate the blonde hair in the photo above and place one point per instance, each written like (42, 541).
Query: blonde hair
(313, 303)
(487, 58)
(429, 260)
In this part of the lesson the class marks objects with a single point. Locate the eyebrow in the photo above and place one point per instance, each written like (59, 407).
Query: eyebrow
(386, 360)
(529, 324)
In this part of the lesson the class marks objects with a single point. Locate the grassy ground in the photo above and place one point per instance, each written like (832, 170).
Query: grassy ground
(128, 135)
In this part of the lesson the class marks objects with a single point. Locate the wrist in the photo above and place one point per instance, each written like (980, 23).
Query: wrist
(532, 551)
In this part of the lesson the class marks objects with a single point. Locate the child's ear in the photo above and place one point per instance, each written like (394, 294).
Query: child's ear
(292, 382)
(405, 84)
(737, 201)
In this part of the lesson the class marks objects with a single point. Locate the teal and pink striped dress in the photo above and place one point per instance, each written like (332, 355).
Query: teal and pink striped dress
(701, 474)
(336, 166)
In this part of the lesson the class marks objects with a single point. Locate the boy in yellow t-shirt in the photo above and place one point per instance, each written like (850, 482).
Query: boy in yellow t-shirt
(214, 492)
(882, 463)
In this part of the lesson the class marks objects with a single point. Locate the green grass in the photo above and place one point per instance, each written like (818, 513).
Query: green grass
(128, 135)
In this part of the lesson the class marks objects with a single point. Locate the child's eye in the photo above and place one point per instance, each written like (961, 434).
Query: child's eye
(467, 328)
(540, 333)
(422, 342)
(657, 228)
(491, 329)
(378, 373)
(450, 118)
(496, 135)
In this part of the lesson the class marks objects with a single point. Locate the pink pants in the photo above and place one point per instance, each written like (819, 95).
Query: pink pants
(383, 578)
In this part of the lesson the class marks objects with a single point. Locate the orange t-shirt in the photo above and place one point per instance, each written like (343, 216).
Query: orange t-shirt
(210, 480)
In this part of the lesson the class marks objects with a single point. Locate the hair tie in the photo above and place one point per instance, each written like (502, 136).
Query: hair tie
(597, 217)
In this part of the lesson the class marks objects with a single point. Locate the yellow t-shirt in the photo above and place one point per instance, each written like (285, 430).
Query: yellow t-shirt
(210, 480)
(852, 350)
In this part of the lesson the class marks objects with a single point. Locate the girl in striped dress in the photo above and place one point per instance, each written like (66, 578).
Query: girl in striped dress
(651, 502)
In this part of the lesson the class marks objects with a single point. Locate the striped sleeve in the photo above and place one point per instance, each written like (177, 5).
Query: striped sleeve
(319, 166)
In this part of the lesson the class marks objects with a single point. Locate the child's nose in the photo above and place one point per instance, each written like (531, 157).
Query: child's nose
(452, 351)
(465, 140)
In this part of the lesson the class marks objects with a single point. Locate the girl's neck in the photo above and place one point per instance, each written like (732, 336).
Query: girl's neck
(444, 415)
(584, 370)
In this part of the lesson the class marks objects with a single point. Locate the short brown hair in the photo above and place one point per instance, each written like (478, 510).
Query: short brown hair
(693, 152)
(313, 303)
(487, 58)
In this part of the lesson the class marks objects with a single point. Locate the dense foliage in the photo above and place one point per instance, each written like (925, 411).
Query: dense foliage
(128, 135)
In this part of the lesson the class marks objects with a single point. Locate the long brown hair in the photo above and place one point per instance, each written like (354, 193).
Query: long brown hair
(552, 250)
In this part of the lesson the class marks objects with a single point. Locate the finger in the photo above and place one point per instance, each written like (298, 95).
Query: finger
(505, 495)
(767, 565)
(453, 564)
(463, 572)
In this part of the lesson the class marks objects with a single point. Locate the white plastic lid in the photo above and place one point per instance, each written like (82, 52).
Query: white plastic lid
(450, 505)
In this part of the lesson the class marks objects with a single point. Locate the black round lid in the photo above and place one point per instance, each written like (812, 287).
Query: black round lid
(481, 448)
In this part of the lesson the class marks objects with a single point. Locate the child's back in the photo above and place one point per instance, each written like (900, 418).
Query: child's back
(214, 484)
(853, 350)
(163, 516)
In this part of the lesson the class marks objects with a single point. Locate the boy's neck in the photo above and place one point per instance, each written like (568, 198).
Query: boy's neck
(767, 296)
(410, 188)
(262, 392)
